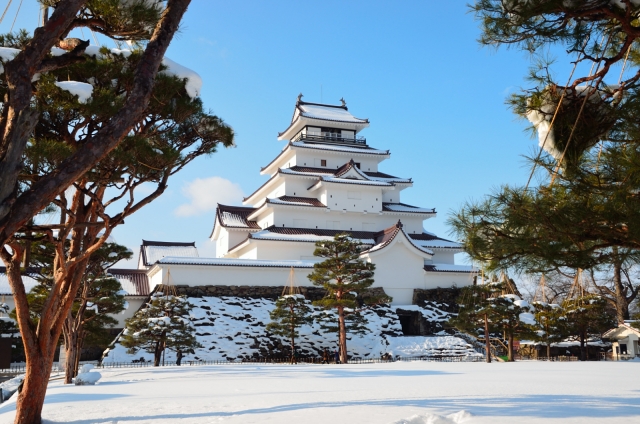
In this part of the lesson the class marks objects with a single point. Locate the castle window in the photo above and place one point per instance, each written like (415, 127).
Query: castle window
(323, 162)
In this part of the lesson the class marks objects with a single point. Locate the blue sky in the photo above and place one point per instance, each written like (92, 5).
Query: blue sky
(434, 97)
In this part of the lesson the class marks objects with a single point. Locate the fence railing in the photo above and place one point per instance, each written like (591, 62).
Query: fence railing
(19, 369)
(329, 137)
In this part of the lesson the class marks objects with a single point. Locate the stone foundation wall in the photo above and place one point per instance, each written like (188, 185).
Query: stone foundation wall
(257, 292)
(444, 297)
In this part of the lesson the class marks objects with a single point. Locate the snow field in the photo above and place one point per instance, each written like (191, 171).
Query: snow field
(391, 393)
(233, 328)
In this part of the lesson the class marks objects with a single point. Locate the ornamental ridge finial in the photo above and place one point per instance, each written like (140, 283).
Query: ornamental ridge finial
(300, 96)
(344, 103)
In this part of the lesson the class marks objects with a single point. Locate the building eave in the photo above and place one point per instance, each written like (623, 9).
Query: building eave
(266, 169)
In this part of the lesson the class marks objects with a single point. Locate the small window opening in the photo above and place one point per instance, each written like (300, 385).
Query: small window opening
(323, 162)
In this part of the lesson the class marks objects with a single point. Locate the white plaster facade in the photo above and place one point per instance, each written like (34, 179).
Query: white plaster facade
(624, 340)
(326, 180)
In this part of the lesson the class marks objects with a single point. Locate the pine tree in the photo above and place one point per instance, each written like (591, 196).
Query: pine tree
(98, 297)
(550, 324)
(587, 316)
(510, 315)
(581, 214)
(473, 314)
(24, 194)
(163, 324)
(291, 312)
(345, 277)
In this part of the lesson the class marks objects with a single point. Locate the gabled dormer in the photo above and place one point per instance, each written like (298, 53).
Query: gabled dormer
(323, 123)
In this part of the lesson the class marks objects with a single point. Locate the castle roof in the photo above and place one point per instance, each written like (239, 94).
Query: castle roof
(177, 260)
(348, 170)
(385, 238)
(28, 279)
(305, 113)
(450, 268)
(152, 251)
(235, 217)
(376, 239)
(355, 150)
(432, 241)
(404, 208)
(134, 281)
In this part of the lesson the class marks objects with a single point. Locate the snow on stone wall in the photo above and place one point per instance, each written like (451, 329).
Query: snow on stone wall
(233, 328)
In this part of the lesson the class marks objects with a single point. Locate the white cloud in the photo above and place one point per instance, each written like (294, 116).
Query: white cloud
(205, 193)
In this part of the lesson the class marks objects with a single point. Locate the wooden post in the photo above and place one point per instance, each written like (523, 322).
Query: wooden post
(487, 342)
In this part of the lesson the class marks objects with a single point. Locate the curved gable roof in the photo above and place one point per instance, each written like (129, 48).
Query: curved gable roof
(386, 237)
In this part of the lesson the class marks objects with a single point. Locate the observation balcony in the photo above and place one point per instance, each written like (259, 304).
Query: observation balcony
(330, 137)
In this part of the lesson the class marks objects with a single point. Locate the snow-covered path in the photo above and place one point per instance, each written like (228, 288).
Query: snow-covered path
(523, 392)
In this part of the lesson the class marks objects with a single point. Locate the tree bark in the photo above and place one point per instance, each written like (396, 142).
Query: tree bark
(293, 340)
(16, 123)
(582, 340)
(71, 348)
(549, 351)
(487, 341)
(342, 336)
(157, 354)
(622, 304)
(510, 348)
(31, 397)
(106, 139)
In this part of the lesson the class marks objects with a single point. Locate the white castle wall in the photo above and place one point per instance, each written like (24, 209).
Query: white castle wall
(309, 157)
(338, 220)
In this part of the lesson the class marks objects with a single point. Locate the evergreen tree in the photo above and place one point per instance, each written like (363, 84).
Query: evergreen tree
(98, 297)
(345, 276)
(163, 324)
(473, 314)
(583, 213)
(291, 312)
(510, 315)
(22, 194)
(587, 316)
(550, 324)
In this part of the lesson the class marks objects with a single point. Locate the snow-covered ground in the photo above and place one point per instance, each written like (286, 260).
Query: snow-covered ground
(399, 393)
(233, 328)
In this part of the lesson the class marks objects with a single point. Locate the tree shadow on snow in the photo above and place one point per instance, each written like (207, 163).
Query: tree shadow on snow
(537, 406)
(355, 373)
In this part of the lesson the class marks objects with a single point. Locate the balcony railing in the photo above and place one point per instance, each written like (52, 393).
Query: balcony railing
(329, 137)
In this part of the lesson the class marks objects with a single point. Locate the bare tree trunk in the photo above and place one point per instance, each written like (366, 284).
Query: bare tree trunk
(293, 341)
(487, 341)
(582, 340)
(157, 354)
(549, 351)
(71, 348)
(622, 304)
(81, 335)
(342, 336)
(510, 348)
(31, 397)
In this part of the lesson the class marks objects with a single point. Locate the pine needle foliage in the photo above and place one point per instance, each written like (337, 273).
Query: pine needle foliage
(163, 324)
(551, 324)
(291, 312)
(587, 316)
(346, 277)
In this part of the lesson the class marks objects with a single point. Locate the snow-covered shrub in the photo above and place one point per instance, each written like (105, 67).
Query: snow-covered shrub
(87, 377)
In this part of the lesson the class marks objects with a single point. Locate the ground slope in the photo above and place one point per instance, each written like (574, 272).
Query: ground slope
(522, 392)
(233, 328)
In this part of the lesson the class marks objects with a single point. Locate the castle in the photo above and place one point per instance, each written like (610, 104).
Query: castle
(326, 180)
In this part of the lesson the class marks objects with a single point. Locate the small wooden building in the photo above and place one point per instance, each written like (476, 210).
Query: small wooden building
(624, 339)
